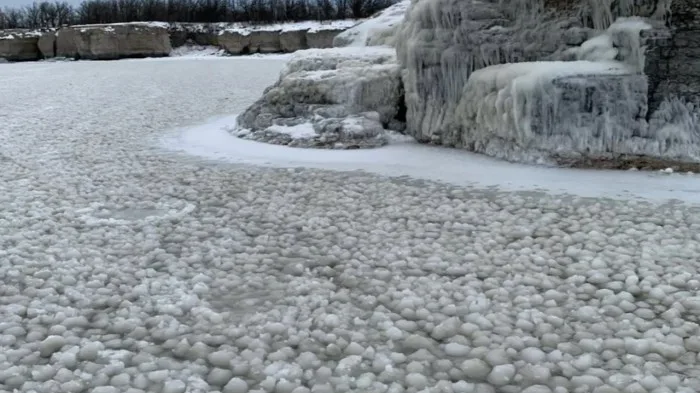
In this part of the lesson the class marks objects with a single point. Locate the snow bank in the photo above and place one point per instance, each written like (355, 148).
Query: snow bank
(155, 25)
(377, 30)
(309, 26)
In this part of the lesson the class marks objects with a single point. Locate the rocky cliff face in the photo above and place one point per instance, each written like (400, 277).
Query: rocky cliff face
(115, 41)
(154, 39)
(19, 45)
(516, 112)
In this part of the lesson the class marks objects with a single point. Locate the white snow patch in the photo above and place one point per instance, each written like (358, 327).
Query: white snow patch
(159, 25)
(375, 30)
(212, 141)
(310, 26)
(304, 130)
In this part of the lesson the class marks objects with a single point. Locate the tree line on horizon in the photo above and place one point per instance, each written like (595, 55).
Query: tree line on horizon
(45, 14)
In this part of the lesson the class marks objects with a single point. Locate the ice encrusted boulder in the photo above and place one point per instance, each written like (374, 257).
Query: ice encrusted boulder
(329, 98)
(113, 41)
(483, 75)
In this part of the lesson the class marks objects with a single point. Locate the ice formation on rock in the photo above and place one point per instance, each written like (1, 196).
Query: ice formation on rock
(525, 112)
(341, 97)
(526, 80)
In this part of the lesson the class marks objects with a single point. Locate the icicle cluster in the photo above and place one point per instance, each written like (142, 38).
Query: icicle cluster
(466, 84)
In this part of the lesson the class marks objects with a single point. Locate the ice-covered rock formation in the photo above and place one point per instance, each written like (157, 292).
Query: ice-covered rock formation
(333, 98)
(552, 81)
(338, 98)
(483, 75)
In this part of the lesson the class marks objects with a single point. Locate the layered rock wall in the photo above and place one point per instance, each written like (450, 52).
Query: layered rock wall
(19, 45)
(109, 42)
(114, 41)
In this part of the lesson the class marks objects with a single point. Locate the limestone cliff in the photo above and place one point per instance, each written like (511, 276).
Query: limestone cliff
(19, 45)
(114, 41)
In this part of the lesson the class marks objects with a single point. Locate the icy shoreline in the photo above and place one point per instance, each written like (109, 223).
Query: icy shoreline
(212, 140)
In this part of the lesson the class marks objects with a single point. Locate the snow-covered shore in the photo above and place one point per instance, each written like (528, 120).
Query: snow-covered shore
(127, 267)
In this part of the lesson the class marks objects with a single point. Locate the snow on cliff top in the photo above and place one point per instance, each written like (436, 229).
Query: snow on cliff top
(311, 26)
(18, 34)
(240, 28)
(162, 25)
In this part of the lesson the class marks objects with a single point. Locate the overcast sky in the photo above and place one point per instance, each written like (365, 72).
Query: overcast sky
(18, 3)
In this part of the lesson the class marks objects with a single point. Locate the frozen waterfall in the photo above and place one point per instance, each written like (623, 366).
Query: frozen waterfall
(524, 81)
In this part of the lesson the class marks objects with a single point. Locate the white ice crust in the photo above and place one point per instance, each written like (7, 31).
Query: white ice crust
(302, 280)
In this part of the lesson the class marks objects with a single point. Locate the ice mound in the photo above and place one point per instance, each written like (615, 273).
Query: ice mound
(517, 110)
(379, 30)
(338, 98)
(542, 110)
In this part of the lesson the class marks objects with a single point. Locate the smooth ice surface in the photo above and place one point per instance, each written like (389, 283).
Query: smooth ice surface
(127, 267)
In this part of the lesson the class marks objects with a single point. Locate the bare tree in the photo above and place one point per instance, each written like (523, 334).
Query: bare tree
(47, 14)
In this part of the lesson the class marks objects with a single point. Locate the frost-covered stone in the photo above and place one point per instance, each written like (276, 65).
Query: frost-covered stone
(329, 99)
(52, 344)
(19, 45)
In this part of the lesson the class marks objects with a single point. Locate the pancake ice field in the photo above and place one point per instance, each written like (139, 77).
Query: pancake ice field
(145, 249)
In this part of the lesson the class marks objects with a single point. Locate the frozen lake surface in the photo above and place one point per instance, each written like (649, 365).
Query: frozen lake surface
(144, 249)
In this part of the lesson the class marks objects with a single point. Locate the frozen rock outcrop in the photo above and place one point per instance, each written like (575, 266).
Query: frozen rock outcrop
(114, 41)
(514, 111)
(333, 98)
(19, 45)
(241, 39)
(338, 98)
